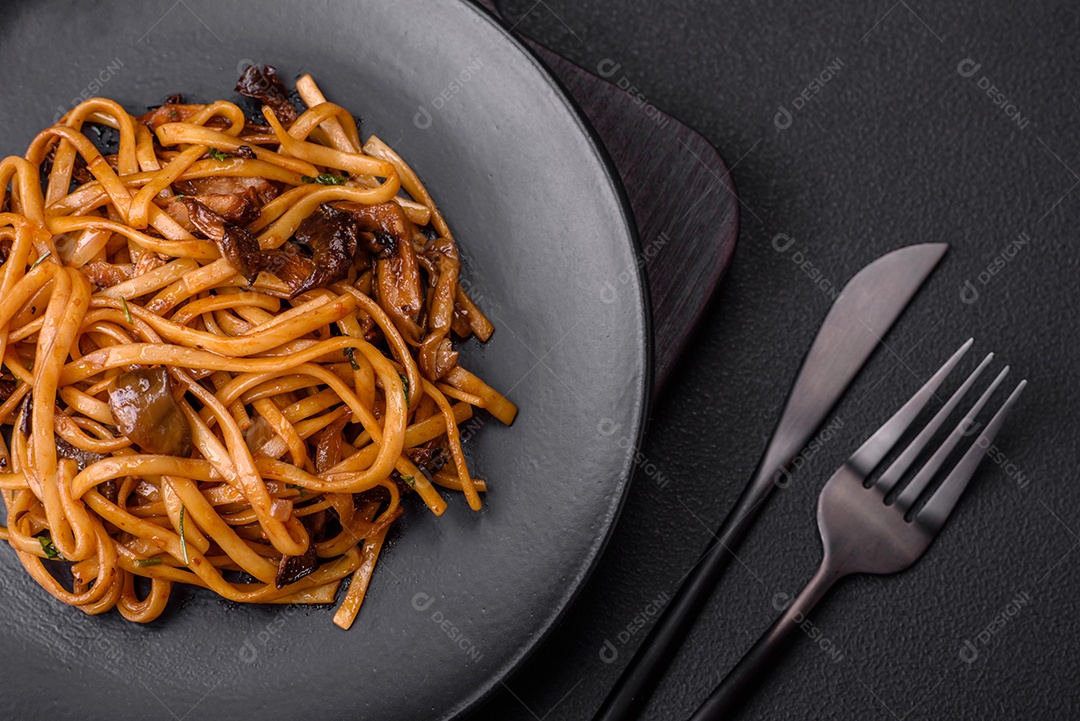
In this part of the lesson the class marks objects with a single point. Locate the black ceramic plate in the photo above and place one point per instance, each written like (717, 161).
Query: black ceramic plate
(549, 250)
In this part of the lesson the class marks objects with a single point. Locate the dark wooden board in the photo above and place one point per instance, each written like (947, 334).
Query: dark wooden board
(681, 193)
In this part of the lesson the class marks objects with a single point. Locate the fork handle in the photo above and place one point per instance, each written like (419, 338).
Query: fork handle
(741, 681)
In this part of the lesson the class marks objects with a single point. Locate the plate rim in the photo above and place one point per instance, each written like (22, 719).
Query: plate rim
(647, 361)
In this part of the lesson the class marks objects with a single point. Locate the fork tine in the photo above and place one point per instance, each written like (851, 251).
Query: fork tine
(899, 467)
(936, 511)
(871, 453)
(906, 500)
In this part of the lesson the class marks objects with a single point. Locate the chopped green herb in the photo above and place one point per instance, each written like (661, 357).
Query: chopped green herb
(41, 259)
(295, 487)
(144, 562)
(349, 353)
(409, 481)
(127, 312)
(219, 154)
(183, 540)
(404, 387)
(325, 179)
(48, 547)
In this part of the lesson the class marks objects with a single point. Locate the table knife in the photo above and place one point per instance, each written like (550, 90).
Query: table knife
(859, 318)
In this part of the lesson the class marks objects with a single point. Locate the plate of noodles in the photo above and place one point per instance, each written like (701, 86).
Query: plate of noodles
(324, 352)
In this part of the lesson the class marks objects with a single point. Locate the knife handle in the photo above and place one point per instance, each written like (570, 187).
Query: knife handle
(650, 661)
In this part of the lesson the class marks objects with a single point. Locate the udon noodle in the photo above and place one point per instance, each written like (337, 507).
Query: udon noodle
(228, 353)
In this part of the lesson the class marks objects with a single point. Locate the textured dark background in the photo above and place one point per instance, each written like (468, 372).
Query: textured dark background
(898, 146)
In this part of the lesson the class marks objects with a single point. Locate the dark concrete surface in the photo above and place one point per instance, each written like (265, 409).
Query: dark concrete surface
(854, 129)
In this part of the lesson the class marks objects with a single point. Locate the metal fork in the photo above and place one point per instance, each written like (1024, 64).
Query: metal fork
(864, 530)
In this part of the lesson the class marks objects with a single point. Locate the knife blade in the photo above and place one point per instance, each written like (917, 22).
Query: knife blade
(859, 318)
